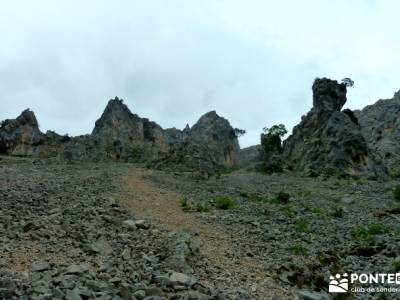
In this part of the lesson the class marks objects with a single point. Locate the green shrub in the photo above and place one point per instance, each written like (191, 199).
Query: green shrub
(202, 207)
(396, 266)
(298, 250)
(301, 225)
(396, 193)
(244, 195)
(260, 198)
(279, 198)
(369, 231)
(283, 197)
(136, 152)
(185, 204)
(271, 139)
(287, 211)
(337, 212)
(316, 210)
(224, 202)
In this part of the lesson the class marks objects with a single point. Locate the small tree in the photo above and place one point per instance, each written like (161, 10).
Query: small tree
(239, 132)
(348, 82)
(271, 139)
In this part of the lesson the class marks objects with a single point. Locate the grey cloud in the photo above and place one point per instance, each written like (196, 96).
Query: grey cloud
(252, 61)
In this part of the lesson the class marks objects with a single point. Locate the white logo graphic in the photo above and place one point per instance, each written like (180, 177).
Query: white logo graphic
(338, 284)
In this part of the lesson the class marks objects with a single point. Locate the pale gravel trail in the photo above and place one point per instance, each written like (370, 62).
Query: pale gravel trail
(146, 200)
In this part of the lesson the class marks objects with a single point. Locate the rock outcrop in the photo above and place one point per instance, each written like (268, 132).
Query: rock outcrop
(20, 136)
(249, 155)
(210, 146)
(380, 125)
(125, 136)
(329, 141)
(119, 135)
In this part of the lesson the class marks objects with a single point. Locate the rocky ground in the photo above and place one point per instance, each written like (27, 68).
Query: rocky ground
(120, 231)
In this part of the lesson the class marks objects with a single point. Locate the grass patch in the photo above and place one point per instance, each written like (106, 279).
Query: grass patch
(184, 202)
(361, 181)
(316, 210)
(367, 232)
(305, 193)
(287, 211)
(224, 202)
(202, 207)
(301, 225)
(298, 250)
(280, 198)
(396, 193)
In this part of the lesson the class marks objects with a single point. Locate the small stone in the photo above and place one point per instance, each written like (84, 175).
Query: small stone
(83, 291)
(255, 223)
(101, 246)
(94, 285)
(140, 294)
(76, 269)
(195, 295)
(307, 295)
(142, 224)
(153, 291)
(347, 200)
(72, 295)
(162, 280)
(153, 298)
(115, 280)
(58, 294)
(126, 254)
(129, 224)
(40, 267)
(182, 279)
(125, 292)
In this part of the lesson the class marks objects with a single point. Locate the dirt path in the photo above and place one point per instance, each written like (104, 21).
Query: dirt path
(148, 201)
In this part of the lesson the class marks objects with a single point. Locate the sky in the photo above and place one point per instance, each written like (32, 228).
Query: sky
(171, 61)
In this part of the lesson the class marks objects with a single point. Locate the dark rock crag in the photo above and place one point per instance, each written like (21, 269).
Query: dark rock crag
(329, 141)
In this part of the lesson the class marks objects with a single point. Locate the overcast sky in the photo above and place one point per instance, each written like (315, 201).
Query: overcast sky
(173, 60)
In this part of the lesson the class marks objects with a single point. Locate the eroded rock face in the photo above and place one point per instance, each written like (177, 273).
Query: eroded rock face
(329, 141)
(125, 136)
(119, 135)
(380, 125)
(20, 136)
(118, 131)
(210, 145)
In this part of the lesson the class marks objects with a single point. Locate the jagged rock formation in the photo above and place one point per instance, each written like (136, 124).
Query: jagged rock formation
(380, 125)
(20, 136)
(210, 145)
(125, 136)
(329, 141)
(119, 135)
